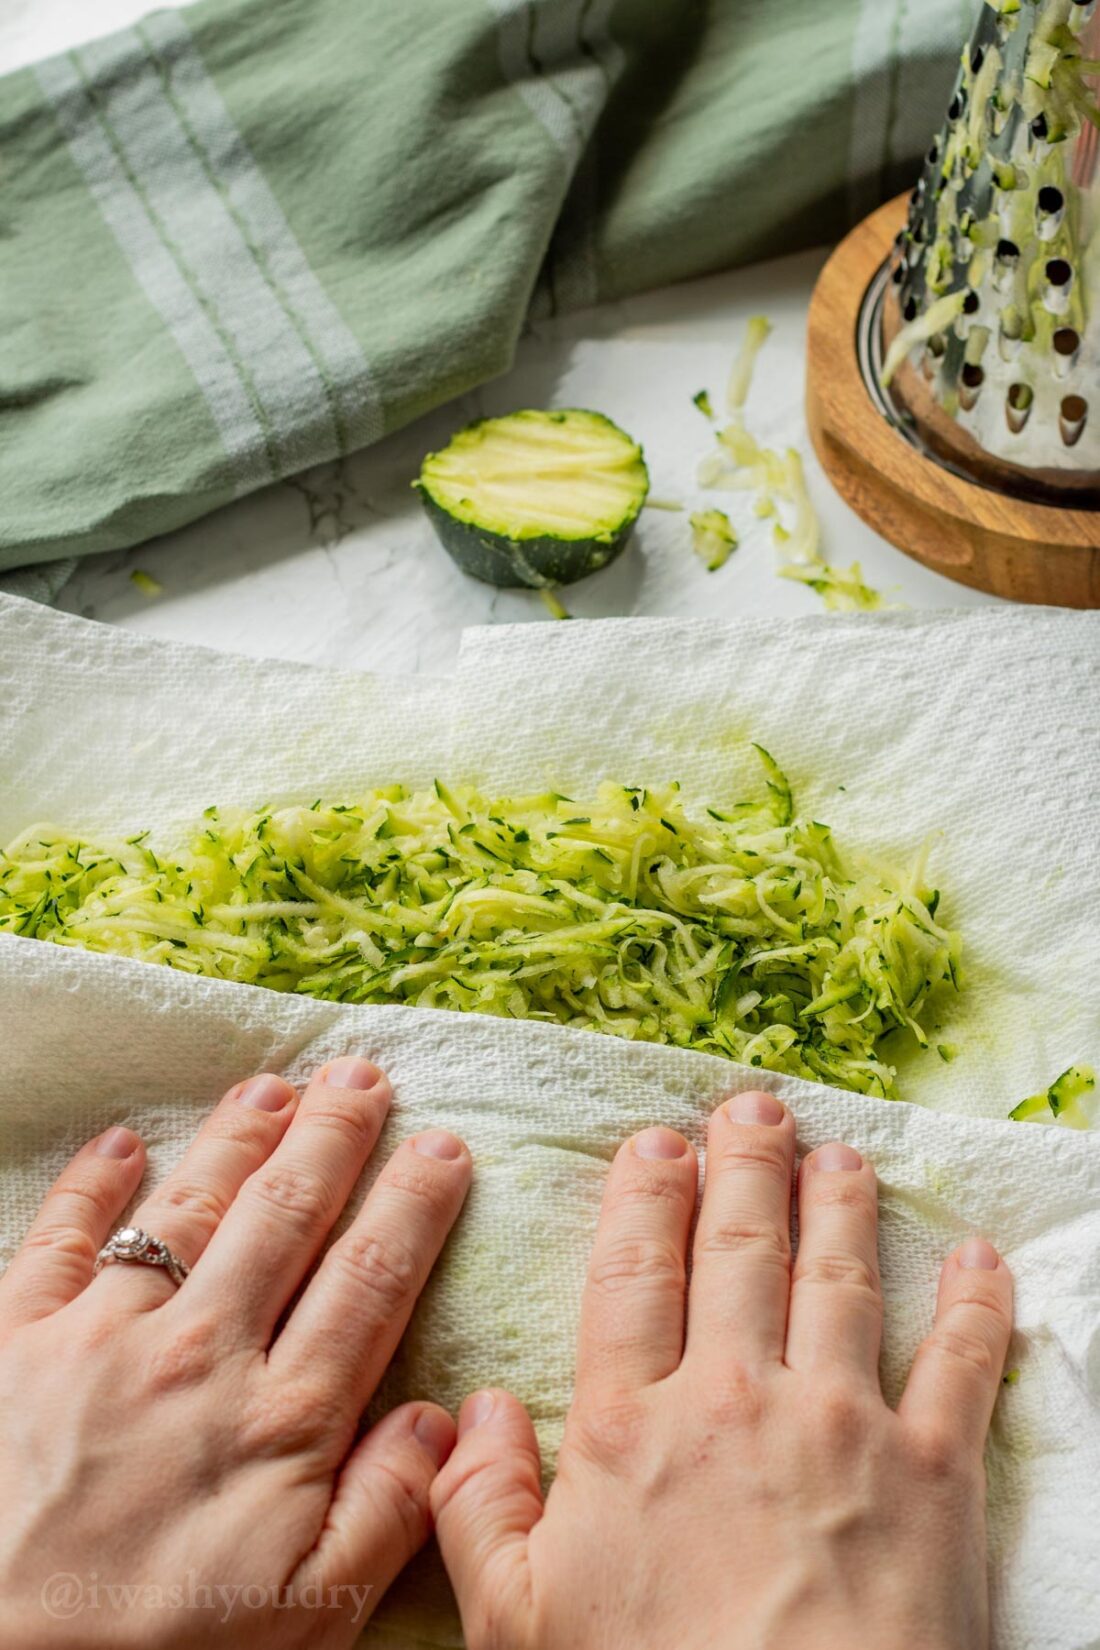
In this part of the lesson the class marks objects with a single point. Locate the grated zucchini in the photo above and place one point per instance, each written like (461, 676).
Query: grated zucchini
(713, 539)
(739, 931)
(1061, 1102)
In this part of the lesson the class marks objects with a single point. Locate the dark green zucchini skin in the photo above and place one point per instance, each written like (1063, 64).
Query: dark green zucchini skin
(537, 563)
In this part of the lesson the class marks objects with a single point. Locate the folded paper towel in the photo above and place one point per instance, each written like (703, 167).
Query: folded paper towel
(983, 726)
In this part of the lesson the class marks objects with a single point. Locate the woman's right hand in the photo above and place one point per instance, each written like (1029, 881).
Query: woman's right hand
(731, 1477)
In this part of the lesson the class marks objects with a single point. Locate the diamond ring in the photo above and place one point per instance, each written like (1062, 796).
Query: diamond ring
(133, 1245)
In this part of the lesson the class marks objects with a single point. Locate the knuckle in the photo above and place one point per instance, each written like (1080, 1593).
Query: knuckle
(288, 1419)
(71, 1243)
(983, 1299)
(841, 1417)
(624, 1262)
(86, 1195)
(291, 1193)
(643, 1188)
(386, 1267)
(237, 1125)
(734, 1398)
(609, 1429)
(970, 1343)
(355, 1121)
(432, 1190)
(757, 1156)
(203, 1206)
(405, 1496)
(186, 1358)
(845, 1192)
(836, 1269)
(759, 1239)
(941, 1457)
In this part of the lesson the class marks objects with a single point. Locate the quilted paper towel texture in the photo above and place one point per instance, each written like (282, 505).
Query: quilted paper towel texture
(103, 730)
(543, 1110)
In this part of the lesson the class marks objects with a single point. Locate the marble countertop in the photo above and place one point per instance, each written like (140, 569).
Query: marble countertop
(339, 564)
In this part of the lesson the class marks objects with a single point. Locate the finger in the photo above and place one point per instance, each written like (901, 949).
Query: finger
(56, 1260)
(486, 1501)
(835, 1317)
(380, 1514)
(632, 1317)
(284, 1211)
(346, 1327)
(741, 1260)
(186, 1209)
(956, 1374)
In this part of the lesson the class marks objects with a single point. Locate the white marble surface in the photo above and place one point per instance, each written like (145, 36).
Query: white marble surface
(340, 565)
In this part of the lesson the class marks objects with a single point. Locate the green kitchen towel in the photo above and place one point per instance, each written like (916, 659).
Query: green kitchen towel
(251, 235)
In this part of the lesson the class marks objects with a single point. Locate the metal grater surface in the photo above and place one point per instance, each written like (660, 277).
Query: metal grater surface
(991, 314)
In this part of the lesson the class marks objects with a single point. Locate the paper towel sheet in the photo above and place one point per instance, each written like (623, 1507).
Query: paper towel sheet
(983, 726)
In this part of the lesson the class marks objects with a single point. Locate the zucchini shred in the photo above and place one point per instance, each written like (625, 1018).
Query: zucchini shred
(739, 931)
(1062, 1102)
(536, 498)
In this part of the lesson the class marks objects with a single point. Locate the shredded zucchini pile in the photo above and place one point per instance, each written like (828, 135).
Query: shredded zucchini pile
(738, 931)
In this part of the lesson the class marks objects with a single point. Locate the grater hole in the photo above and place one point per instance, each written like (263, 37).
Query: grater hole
(1051, 200)
(1059, 272)
(971, 380)
(909, 310)
(1073, 414)
(1007, 252)
(971, 304)
(1018, 404)
(1067, 341)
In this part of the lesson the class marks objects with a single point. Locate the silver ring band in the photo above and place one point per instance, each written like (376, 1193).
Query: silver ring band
(133, 1246)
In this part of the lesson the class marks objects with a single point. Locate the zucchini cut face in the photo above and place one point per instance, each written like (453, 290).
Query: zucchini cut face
(536, 498)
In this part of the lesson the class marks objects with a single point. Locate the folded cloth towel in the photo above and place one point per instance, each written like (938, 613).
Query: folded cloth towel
(251, 235)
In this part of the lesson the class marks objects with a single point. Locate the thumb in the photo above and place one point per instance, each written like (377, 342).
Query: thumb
(486, 1501)
(379, 1515)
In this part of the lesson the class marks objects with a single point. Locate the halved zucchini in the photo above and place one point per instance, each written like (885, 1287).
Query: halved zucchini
(535, 498)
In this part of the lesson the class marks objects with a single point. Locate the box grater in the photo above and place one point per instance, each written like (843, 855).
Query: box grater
(988, 348)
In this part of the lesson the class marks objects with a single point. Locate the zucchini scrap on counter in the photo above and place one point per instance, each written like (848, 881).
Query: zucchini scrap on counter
(738, 463)
(536, 498)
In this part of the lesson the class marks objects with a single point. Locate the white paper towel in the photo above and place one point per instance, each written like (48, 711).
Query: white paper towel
(983, 725)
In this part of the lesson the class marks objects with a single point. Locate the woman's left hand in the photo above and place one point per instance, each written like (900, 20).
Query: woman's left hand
(180, 1466)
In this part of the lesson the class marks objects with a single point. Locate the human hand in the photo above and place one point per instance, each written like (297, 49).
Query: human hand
(196, 1439)
(742, 1485)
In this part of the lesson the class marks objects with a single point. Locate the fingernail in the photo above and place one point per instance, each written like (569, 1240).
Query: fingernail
(754, 1107)
(976, 1255)
(351, 1073)
(837, 1156)
(437, 1143)
(656, 1143)
(435, 1432)
(476, 1410)
(264, 1093)
(117, 1143)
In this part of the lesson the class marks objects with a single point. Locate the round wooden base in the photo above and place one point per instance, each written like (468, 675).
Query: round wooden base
(981, 537)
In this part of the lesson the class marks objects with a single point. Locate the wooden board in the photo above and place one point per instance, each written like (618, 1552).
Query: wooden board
(1027, 552)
